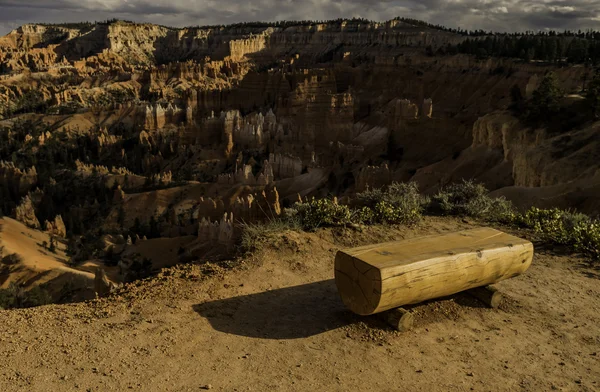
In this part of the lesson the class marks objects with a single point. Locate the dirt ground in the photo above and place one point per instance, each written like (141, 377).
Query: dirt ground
(274, 322)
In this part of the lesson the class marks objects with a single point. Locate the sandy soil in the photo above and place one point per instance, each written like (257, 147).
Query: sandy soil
(37, 265)
(274, 322)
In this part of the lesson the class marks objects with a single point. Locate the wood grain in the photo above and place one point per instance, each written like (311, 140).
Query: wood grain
(379, 277)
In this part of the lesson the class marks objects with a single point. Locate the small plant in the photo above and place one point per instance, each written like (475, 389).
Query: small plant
(460, 199)
(258, 234)
(316, 213)
(16, 297)
(140, 268)
(52, 246)
(587, 238)
(549, 225)
(399, 203)
(370, 197)
(471, 199)
(12, 259)
(364, 215)
(554, 226)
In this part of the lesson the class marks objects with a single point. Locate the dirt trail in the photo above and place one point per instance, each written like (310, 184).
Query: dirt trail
(275, 323)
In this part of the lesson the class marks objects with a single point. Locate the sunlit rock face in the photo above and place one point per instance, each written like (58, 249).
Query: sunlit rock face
(186, 125)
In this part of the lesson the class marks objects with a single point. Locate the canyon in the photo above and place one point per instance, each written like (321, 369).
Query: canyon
(160, 137)
(134, 159)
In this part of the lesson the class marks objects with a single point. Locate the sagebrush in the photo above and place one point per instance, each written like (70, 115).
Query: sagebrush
(402, 203)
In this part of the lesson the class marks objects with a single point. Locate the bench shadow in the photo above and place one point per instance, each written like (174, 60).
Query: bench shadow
(287, 313)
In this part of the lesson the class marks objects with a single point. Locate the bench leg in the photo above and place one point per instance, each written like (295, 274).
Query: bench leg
(400, 319)
(488, 295)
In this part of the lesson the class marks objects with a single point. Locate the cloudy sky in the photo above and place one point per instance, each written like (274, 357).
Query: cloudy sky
(499, 15)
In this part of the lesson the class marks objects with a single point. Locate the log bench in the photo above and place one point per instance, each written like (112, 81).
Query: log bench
(377, 278)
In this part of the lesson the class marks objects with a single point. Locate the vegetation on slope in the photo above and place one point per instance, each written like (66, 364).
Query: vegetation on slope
(16, 297)
(401, 203)
(549, 109)
(575, 48)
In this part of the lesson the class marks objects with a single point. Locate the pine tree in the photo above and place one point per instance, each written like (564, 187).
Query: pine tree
(52, 246)
(592, 95)
(546, 98)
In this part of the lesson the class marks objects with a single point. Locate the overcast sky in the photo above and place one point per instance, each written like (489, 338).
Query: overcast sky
(502, 15)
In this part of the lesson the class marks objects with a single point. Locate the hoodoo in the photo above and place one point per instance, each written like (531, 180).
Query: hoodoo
(375, 278)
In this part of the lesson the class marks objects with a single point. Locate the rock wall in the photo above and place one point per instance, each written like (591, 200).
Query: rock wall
(25, 213)
(373, 177)
(56, 227)
(217, 233)
(17, 180)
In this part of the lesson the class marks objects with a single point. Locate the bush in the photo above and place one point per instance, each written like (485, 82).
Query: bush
(460, 199)
(317, 213)
(37, 296)
(399, 203)
(12, 259)
(586, 237)
(549, 225)
(470, 199)
(364, 215)
(566, 228)
(16, 297)
(370, 197)
(140, 268)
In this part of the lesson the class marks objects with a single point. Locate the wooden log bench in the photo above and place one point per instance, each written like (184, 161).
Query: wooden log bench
(376, 278)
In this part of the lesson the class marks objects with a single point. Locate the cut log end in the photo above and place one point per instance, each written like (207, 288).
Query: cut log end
(488, 295)
(379, 277)
(400, 319)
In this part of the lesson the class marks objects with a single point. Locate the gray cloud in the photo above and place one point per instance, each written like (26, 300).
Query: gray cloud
(499, 15)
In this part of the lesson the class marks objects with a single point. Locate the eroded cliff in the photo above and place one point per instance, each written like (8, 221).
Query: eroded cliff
(186, 133)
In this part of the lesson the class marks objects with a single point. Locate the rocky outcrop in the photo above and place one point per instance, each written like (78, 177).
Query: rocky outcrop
(208, 208)
(259, 207)
(242, 176)
(17, 180)
(217, 233)
(143, 44)
(56, 227)
(195, 123)
(25, 213)
(282, 166)
(102, 285)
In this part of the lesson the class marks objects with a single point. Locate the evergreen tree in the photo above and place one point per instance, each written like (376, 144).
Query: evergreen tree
(52, 246)
(546, 98)
(592, 95)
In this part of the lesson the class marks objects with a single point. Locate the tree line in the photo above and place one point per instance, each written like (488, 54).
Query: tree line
(550, 48)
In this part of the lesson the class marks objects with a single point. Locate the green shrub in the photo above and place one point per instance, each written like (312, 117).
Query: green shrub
(36, 296)
(364, 215)
(16, 297)
(12, 259)
(587, 238)
(8, 297)
(370, 197)
(388, 213)
(316, 213)
(140, 268)
(555, 226)
(402, 203)
(399, 203)
(494, 209)
(460, 199)
(549, 225)
(470, 199)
